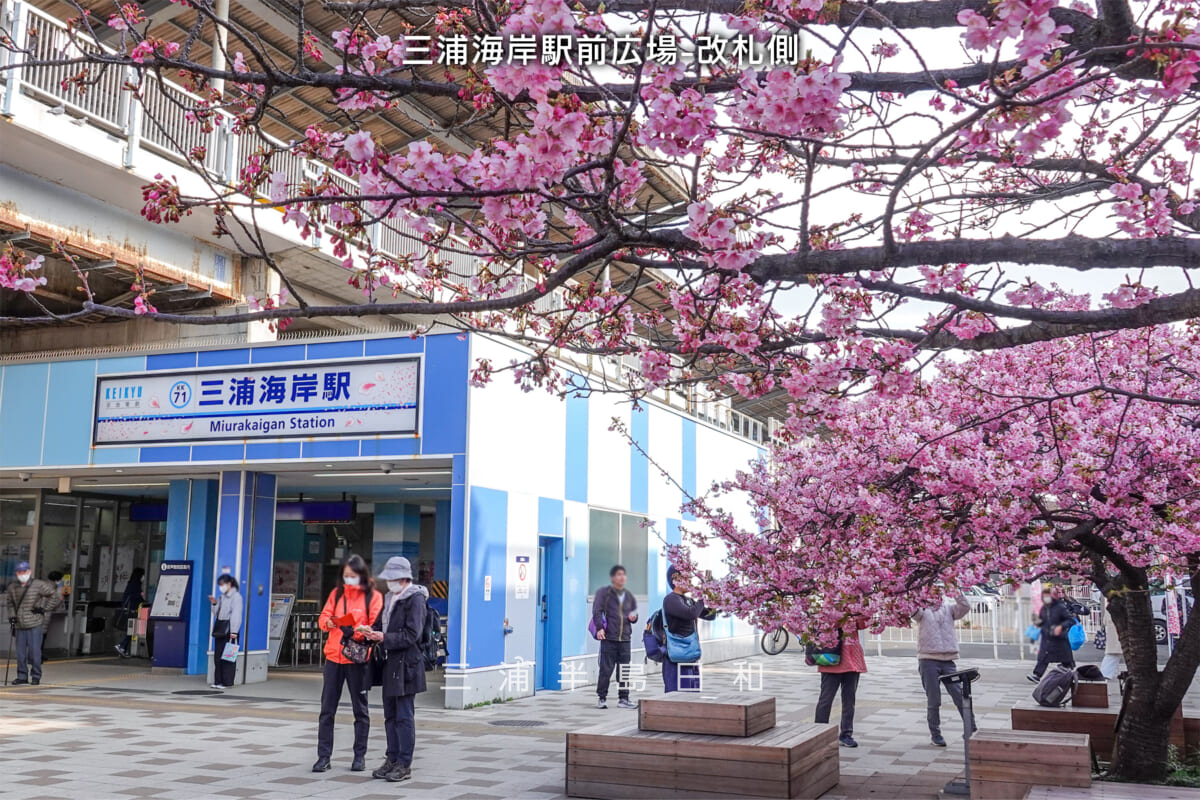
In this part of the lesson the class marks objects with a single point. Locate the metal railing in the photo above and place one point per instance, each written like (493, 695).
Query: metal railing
(996, 620)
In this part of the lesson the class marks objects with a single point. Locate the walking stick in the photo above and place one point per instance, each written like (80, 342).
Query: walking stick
(12, 638)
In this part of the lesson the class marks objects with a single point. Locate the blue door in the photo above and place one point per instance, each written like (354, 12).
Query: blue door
(542, 619)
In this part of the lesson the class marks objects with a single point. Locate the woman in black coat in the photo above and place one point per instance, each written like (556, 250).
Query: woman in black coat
(399, 629)
(1055, 619)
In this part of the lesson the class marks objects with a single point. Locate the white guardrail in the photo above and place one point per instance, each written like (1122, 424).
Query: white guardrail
(994, 620)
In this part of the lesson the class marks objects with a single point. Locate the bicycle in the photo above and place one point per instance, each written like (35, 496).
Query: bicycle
(775, 642)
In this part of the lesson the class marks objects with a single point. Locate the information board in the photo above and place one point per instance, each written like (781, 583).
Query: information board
(281, 612)
(312, 399)
(170, 595)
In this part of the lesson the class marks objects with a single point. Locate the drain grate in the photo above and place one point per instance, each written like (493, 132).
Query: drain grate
(198, 692)
(517, 723)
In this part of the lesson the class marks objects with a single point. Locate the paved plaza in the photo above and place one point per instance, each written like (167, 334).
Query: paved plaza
(109, 729)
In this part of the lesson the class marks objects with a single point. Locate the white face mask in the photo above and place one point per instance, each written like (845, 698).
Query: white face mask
(1047, 599)
(395, 586)
(23, 577)
(227, 588)
(355, 581)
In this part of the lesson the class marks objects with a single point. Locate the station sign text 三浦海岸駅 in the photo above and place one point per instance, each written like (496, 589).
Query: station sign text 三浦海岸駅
(339, 398)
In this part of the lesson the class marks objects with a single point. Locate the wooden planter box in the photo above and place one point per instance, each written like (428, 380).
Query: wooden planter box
(1006, 764)
(1090, 694)
(741, 714)
(793, 760)
(1098, 723)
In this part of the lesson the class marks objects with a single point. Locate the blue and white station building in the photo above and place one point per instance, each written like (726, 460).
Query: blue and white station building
(192, 451)
(272, 462)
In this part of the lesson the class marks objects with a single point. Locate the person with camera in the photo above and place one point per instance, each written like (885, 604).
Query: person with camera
(30, 603)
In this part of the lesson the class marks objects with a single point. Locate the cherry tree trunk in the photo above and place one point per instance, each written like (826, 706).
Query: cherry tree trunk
(1141, 751)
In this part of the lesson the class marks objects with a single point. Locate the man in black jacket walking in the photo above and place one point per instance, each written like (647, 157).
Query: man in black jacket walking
(614, 611)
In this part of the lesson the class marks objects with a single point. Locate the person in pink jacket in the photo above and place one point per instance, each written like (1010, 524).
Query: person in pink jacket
(844, 676)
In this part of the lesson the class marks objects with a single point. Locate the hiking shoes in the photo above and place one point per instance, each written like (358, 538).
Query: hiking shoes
(384, 768)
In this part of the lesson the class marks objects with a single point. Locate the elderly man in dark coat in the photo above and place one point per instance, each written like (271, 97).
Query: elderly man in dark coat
(399, 630)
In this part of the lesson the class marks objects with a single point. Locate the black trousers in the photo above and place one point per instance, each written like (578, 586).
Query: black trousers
(358, 677)
(830, 683)
(223, 671)
(1053, 651)
(613, 654)
(400, 724)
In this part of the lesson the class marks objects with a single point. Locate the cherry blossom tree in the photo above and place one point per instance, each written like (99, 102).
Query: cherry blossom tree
(919, 177)
(1078, 457)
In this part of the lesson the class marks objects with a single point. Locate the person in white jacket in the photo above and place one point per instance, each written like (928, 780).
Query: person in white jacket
(937, 648)
(1110, 665)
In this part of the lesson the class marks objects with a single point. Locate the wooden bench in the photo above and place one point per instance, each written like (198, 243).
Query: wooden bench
(1107, 790)
(1097, 723)
(1006, 764)
(792, 760)
(738, 714)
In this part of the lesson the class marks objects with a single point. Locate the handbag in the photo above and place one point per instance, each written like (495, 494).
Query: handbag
(816, 656)
(356, 652)
(1033, 632)
(230, 653)
(220, 629)
(683, 649)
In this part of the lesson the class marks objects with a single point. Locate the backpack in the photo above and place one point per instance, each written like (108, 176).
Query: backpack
(815, 656)
(1056, 687)
(655, 637)
(431, 636)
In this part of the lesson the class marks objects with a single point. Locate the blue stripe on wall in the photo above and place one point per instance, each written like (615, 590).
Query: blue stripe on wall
(275, 355)
(171, 361)
(321, 350)
(112, 366)
(68, 436)
(550, 516)
(409, 446)
(272, 450)
(22, 414)
(222, 358)
(689, 464)
(488, 545)
(575, 612)
(218, 452)
(576, 488)
(116, 455)
(394, 347)
(335, 449)
(639, 462)
(444, 395)
(161, 455)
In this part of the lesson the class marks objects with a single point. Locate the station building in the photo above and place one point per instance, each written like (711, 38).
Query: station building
(236, 449)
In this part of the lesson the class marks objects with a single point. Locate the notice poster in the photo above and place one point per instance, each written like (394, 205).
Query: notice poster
(277, 621)
(286, 577)
(312, 581)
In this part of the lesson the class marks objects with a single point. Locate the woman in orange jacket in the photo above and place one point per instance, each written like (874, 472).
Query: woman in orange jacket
(352, 605)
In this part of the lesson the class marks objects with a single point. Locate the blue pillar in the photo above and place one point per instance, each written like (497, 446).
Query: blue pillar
(192, 536)
(245, 546)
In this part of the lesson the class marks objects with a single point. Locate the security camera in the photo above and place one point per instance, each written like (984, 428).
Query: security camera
(386, 468)
(25, 476)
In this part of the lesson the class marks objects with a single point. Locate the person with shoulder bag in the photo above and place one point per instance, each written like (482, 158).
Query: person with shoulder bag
(399, 630)
(680, 612)
(843, 676)
(351, 609)
(228, 610)
(30, 603)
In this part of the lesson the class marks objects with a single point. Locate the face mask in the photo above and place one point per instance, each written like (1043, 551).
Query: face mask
(355, 581)
(227, 588)
(395, 586)
(24, 578)
(1047, 599)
